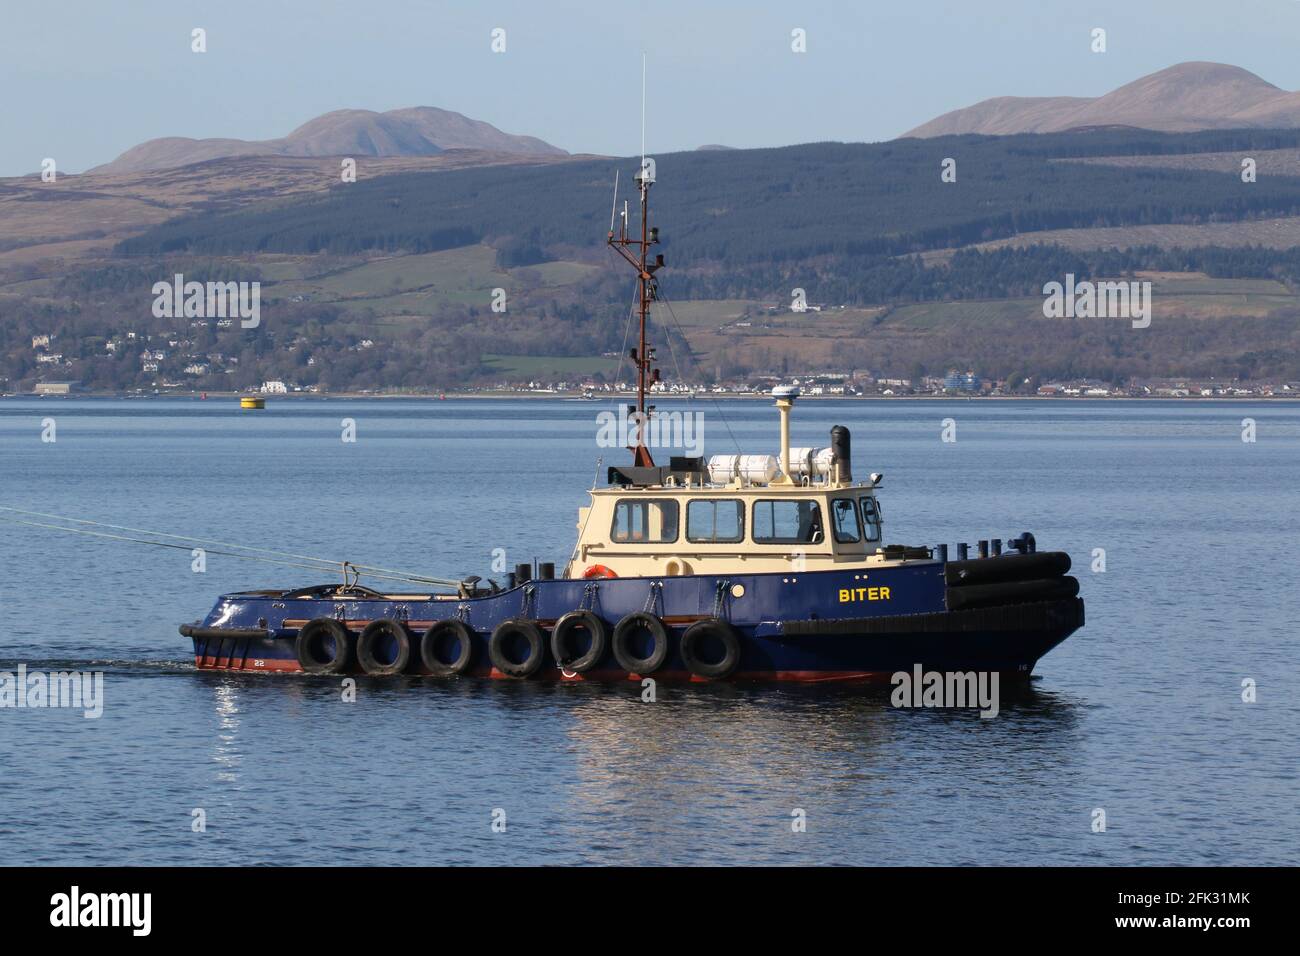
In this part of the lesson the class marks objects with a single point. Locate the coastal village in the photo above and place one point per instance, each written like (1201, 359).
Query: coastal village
(956, 384)
(180, 371)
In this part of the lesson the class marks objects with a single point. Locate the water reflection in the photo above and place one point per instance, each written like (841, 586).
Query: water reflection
(592, 773)
(707, 768)
(225, 751)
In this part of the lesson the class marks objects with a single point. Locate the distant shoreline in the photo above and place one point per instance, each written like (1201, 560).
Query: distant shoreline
(631, 396)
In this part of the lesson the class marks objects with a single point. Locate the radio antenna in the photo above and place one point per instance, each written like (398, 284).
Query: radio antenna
(636, 250)
(613, 210)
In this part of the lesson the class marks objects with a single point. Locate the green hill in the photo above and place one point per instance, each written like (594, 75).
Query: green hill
(387, 282)
(759, 207)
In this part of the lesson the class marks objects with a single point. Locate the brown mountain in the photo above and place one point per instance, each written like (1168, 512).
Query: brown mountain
(417, 131)
(1189, 96)
(85, 215)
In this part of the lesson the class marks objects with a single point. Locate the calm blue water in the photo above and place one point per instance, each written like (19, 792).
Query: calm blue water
(1139, 714)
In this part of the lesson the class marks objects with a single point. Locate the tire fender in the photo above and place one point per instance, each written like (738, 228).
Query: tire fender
(429, 648)
(622, 638)
(536, 648)
(563, 631)
(313, 654)
(719, 631)
(376, 631)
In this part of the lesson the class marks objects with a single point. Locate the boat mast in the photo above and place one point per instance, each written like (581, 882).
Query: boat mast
(643, 356)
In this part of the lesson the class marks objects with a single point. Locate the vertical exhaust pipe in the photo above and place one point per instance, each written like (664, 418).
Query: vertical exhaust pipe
(841, 453)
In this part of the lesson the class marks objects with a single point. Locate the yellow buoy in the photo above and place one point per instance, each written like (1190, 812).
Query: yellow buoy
(252, 401)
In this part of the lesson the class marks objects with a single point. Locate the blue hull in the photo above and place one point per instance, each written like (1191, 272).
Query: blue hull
(814, 625)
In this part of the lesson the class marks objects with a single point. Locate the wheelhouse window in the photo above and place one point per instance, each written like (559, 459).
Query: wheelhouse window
(871, 516)
(844, 514)
(797, 521)
(644, 521)
(709, 520)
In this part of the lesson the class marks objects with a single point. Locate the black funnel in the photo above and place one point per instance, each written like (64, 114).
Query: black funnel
(841, 453)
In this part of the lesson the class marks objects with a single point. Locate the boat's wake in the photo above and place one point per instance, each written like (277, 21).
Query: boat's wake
(105, 665)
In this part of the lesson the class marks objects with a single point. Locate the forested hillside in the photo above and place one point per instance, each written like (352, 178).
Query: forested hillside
(767, 206)
(388, 282)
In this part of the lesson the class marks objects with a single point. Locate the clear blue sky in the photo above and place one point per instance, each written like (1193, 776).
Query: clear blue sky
(85, 79)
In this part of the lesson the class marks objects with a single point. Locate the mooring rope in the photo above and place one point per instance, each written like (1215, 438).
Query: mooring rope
(318, 564)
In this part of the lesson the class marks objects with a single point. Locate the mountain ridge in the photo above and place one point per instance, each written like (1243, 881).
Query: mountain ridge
(409, 131)
(1196, 95)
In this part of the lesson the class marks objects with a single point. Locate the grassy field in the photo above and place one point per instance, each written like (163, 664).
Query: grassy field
(837, 338)
(418, 285)
(925, 316)
(1280, 233)
(706, 313)
(1197, 283)
(455, 272)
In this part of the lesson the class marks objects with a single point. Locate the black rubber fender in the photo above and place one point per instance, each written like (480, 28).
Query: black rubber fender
(563, 631)
(313, 655)
(199, 632)
(620, 642)
(429, 648)
(1011, 592)
(536, 648)
(376, 630)
(1006, 567)
(719, 631)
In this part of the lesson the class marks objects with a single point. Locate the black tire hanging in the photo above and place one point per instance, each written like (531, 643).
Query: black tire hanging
(438, 632)
(622, 637)
(562, 635)
(711, 629)
(376, 631)
(530, 632)
(312, 647)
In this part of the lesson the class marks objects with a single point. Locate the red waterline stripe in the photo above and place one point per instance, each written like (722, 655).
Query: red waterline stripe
(210, 663)
(606, 676)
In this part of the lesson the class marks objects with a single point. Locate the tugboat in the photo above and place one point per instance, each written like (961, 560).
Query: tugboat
(741, 567)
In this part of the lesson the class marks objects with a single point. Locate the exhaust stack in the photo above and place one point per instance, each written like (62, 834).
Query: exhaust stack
(841, 454)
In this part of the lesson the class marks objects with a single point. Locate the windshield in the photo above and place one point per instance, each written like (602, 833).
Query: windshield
(787, 522)
(847, 527)
(871, 517)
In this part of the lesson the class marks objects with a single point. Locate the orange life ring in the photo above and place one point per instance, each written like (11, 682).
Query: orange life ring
(598, 571)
